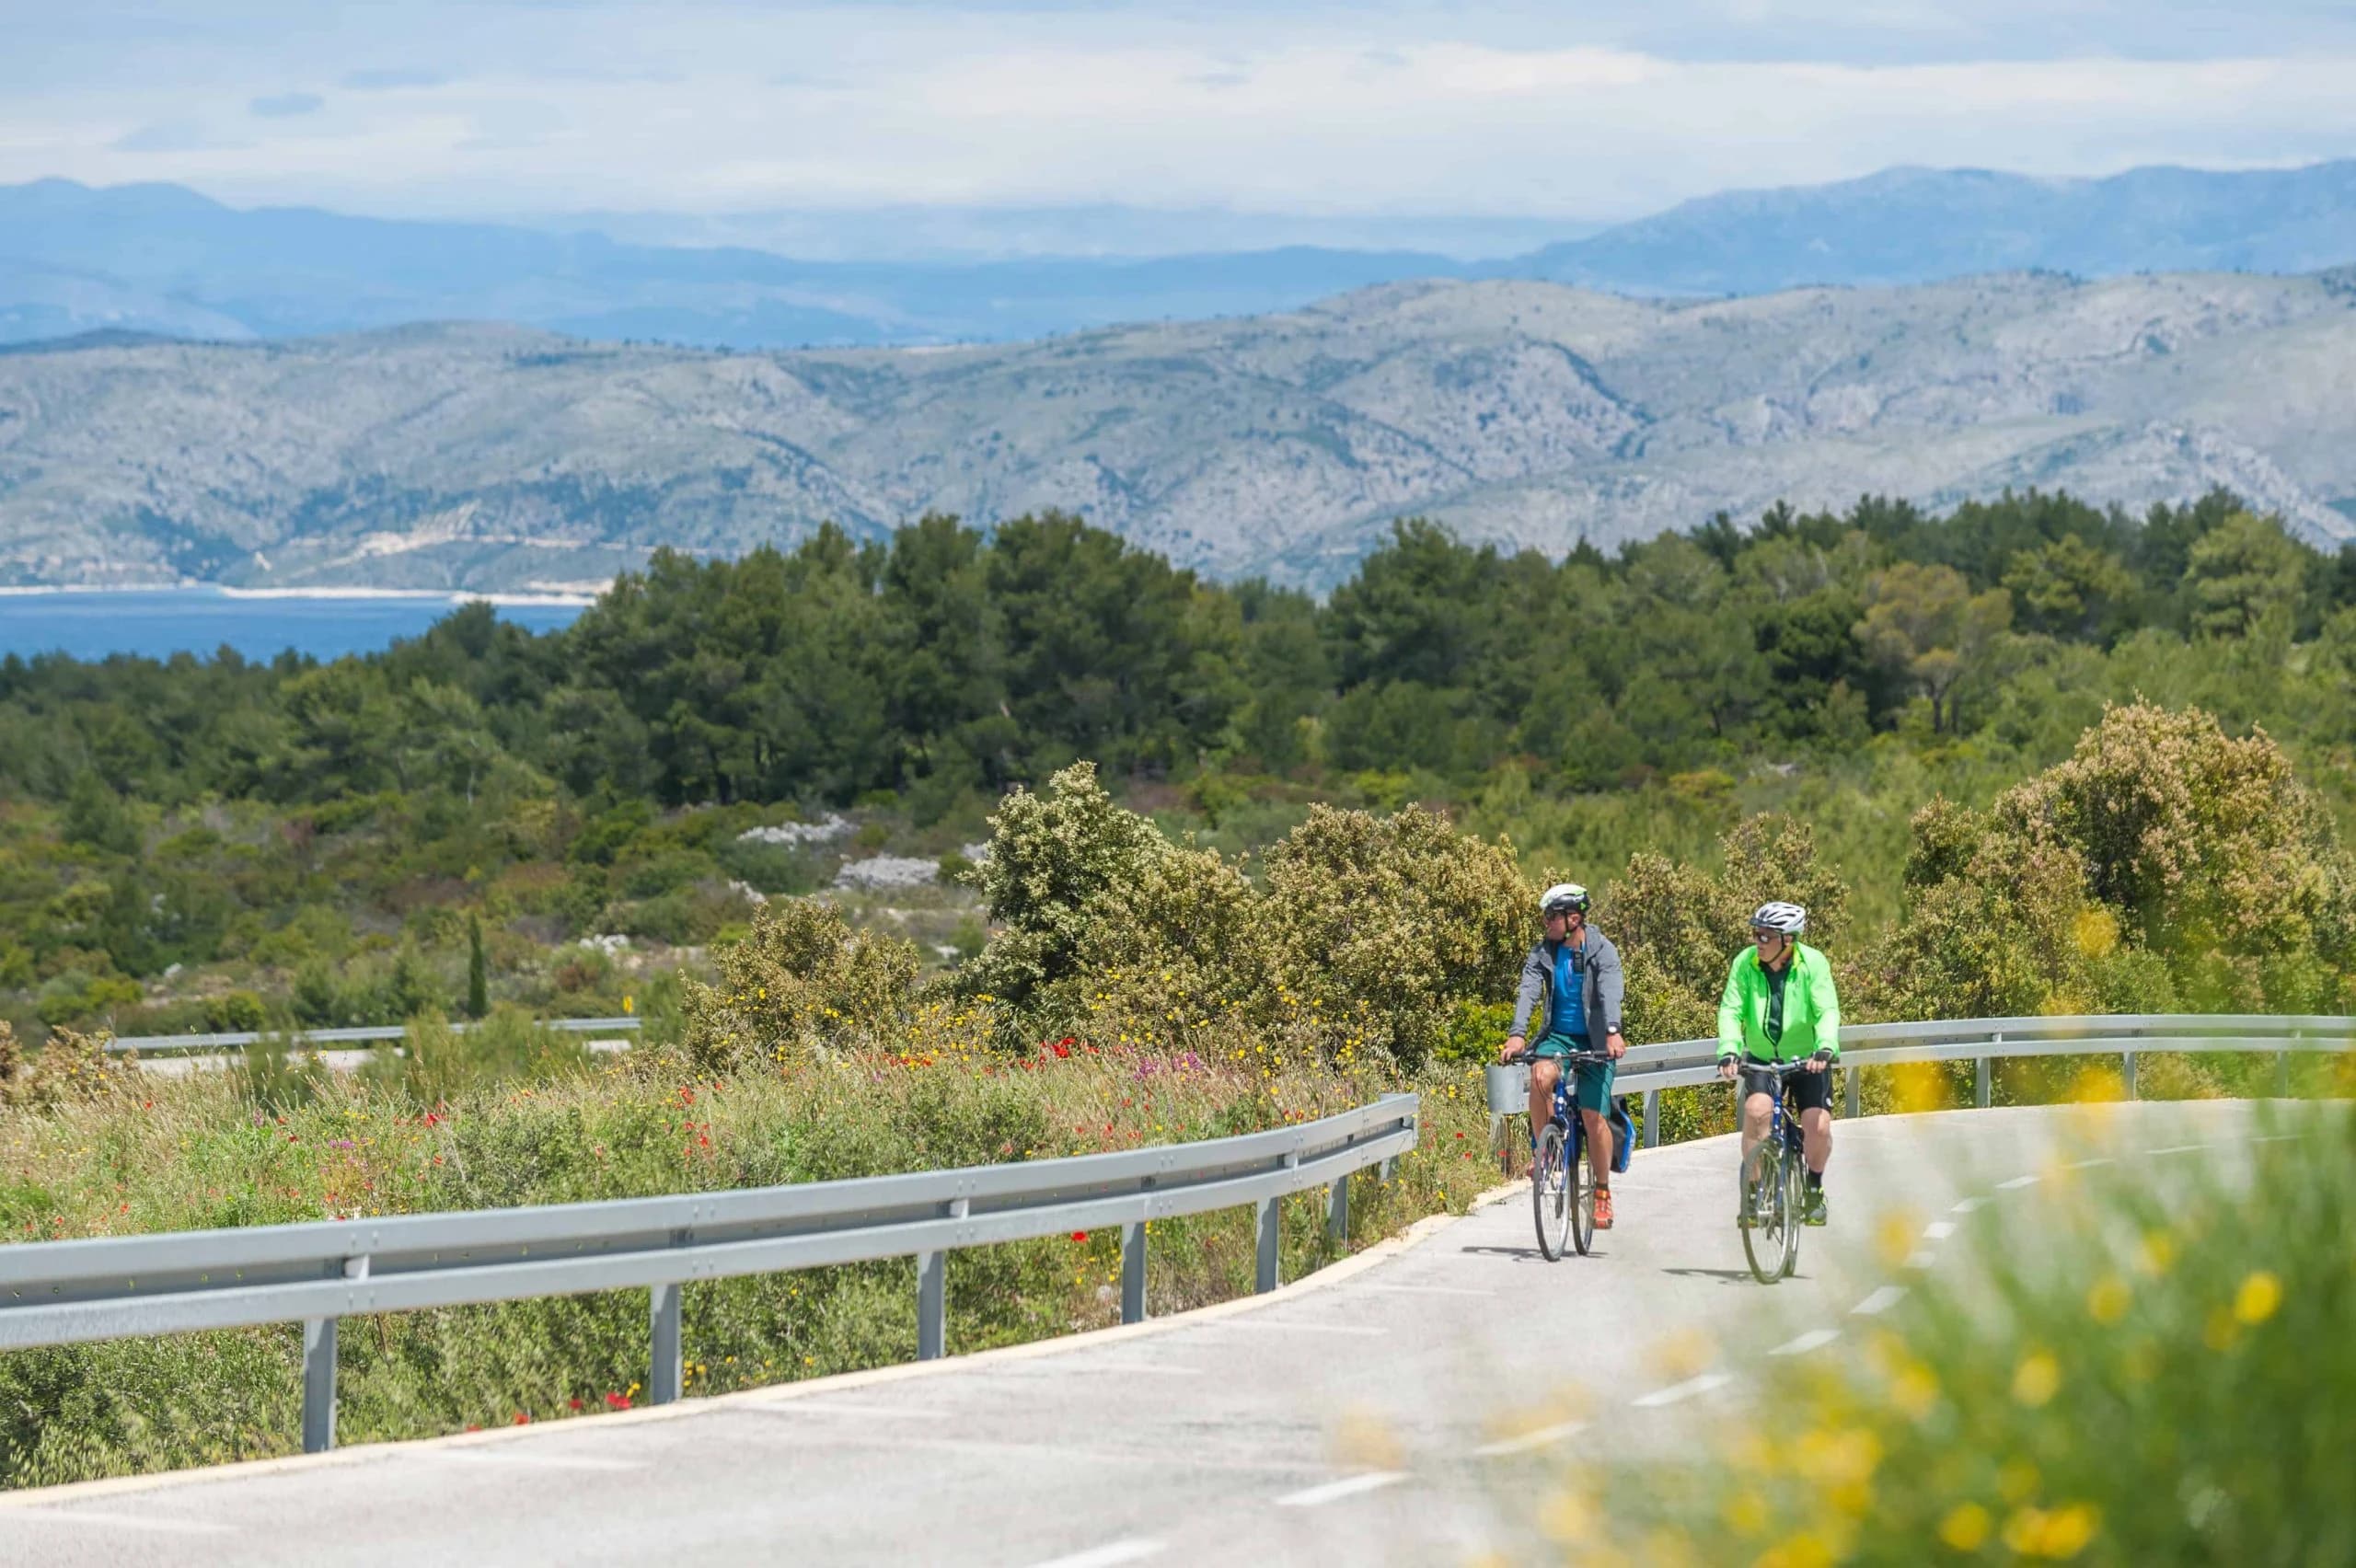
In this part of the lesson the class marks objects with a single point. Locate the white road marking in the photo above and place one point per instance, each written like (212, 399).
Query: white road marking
(848, 1407)
(497, 1457)
(1968, 1205)
(1425, 1290)
(1545, 1437)
(1938, 1230)
(1136, 1548)
(122, 1521)
(2017, 1182)
(2281, 1137)
(2177, 1148)
(1880, 1301)
(2090, 1164)
(1305, 1328)
(1815, 1339)
(1334, 1491)
(1688, 1389)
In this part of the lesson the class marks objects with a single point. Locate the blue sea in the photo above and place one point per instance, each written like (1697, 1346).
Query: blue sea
(159, 622)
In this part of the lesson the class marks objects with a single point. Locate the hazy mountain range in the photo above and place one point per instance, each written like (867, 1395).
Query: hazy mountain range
(1531, 413)
(162, 258)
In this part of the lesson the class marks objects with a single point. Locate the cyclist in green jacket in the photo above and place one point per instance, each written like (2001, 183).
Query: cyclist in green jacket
(1780, 1007)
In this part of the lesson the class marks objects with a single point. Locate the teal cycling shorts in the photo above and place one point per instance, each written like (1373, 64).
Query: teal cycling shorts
(1590, 1083)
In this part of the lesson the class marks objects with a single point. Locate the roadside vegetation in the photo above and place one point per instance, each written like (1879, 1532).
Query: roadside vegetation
(2174, 1384)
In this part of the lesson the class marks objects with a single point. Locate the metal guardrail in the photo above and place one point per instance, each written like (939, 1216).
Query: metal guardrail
(1649, 1070)
(73, 1292)
(154, 1044)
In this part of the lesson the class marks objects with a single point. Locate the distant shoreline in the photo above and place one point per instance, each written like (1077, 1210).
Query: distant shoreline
(453, 596)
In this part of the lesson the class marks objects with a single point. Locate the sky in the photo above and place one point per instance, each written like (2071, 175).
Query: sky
(1594, 112)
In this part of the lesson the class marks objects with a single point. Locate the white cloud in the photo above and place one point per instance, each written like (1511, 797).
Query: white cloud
(713, 108)
(286, 106)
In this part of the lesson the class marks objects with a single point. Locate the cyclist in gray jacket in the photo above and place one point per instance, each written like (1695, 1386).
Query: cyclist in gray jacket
(1571, 984)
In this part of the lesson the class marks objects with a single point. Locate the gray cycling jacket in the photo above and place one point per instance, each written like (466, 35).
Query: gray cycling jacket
(1600, 991)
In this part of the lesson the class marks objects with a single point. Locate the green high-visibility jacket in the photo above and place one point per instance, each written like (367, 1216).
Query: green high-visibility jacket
(1811, 1009)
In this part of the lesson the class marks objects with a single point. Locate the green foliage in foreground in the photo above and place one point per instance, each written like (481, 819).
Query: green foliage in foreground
(137, 1154)
(2170, 1382)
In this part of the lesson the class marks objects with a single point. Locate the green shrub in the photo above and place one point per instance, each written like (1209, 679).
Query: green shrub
(236, 1012)
(801, 983)
(1401, 916)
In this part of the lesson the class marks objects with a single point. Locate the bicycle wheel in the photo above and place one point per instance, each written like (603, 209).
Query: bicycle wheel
(1550, 1195)
(1762, 1243)
(1795, 1205)
(1582, 1181)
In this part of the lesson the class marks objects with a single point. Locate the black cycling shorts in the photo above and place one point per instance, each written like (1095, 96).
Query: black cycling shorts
(1802, 1092)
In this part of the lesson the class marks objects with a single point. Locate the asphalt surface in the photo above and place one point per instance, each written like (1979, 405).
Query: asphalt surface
(1403, 1414)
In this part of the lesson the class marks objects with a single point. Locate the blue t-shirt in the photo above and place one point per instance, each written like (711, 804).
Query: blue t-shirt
(1570, 1004)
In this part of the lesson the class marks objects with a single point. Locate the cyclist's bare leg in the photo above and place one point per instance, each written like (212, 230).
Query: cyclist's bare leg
(1758, 1113)
(1816, 1128)
(1543, 1074)
(1599, 1143)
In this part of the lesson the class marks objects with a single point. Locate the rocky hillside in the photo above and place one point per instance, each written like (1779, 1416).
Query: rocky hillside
(1532, 413)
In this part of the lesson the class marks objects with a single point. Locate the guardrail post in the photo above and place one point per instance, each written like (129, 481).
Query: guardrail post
(932, 1305)
(1337, 1211)
(2129, 1058)
(2282, 1073)
(1853, 1087)
(1270, 1210)
(1981, 1072)
(1652, 1118)
(1133, 1271)
(667, 1371)
(318, 1384)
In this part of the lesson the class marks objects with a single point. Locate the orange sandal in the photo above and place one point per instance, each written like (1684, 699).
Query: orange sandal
(1603, 1208)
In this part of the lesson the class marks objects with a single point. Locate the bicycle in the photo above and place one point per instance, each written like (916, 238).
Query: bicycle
(1562, 1171)
(1772, 1199)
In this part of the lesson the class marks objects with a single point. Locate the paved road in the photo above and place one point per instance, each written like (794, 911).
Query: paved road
(1384, 1418)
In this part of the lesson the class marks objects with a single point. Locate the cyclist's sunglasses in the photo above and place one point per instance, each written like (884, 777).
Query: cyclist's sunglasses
(1761, 933)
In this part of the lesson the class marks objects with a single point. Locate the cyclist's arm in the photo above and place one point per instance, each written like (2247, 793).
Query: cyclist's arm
(1533, 985)
(1730, 1012)
(1611, 986)
(1828, 1014)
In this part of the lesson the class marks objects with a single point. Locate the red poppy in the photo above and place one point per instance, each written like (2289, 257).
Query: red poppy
(1063, 1048)
(574, 1401)
(617, 1401)
(1080, 1235)
(523, 1420)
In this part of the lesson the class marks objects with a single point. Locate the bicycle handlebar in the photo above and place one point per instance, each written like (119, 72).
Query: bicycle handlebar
(1780, 1069)
(1588, 1058)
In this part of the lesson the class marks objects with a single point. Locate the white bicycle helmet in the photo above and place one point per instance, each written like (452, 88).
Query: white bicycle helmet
(1562, 895)
(1788, 919)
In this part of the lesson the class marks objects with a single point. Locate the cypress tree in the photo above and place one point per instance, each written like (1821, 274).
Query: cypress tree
(477, 972)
